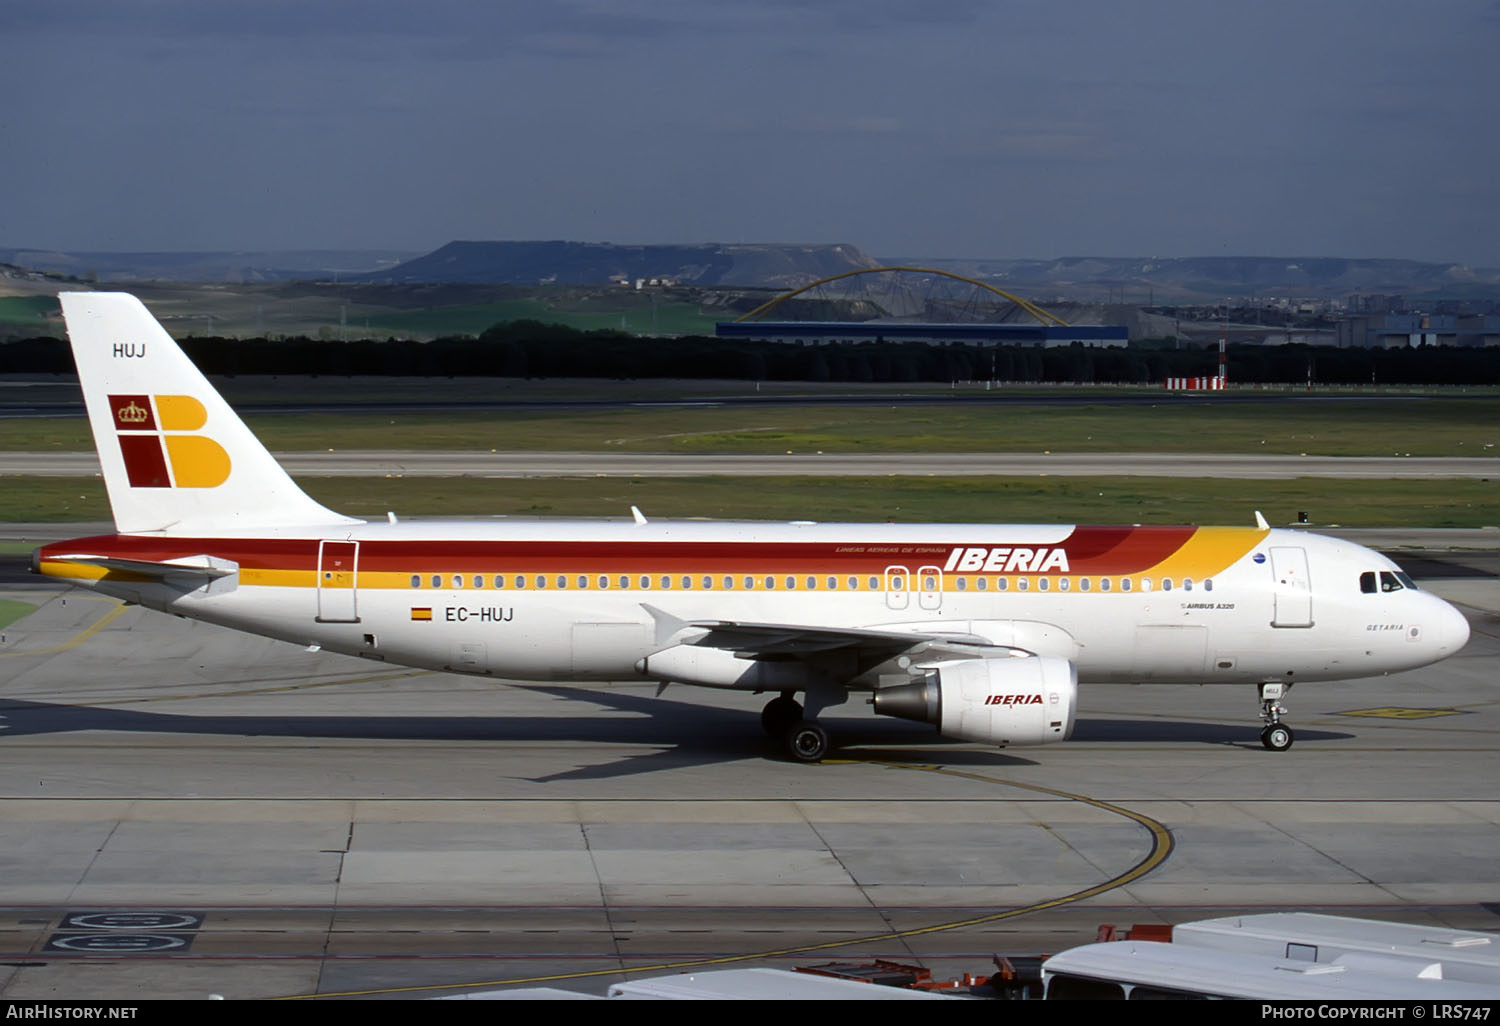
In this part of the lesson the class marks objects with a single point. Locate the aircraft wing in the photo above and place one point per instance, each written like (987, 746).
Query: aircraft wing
(799, 641)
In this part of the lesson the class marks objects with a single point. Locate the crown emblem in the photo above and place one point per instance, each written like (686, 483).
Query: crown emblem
(132, 414)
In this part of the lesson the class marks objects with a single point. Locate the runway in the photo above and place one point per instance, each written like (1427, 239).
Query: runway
(296, 824)
(407, 463)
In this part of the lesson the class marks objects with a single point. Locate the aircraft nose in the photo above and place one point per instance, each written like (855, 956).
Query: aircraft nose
(1450, 629)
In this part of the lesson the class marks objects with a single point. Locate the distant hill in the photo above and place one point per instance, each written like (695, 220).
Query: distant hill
(243, 267)
(772, 265)
(1206, 279)
(1134, 280)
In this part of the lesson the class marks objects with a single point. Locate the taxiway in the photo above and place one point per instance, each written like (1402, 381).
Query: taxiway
(277, 822)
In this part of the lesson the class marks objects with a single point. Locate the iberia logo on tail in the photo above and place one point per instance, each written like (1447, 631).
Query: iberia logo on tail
(159, 446)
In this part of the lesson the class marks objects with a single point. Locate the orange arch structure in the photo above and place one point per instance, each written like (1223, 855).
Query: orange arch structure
(1041, 315)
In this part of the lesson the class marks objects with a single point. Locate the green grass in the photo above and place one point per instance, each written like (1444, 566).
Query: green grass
(31, 312)
(1454, 503)
(11, 611)
(1355, 427)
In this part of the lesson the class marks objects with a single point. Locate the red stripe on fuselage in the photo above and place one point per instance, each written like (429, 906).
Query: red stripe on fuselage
(1091, 550)
(1122, 550)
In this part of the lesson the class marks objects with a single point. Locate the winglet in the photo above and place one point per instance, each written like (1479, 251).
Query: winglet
(1260, 522)
(637, 515)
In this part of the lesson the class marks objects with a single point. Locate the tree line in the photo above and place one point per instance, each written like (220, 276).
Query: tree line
(532, 349)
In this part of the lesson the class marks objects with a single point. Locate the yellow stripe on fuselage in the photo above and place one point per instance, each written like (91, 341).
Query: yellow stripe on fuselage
(1207, 553)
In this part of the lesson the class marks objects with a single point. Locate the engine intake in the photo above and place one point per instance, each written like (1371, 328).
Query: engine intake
(1031, 701)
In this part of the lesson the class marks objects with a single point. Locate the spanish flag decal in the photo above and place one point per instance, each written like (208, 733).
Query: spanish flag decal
(421, 612)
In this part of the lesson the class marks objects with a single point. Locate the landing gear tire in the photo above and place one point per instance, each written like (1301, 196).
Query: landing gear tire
(807, 741)
(1277, 738)
(779, 714)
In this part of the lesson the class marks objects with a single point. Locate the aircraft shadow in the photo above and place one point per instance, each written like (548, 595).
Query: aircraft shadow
(1184, 731)
(677, 733)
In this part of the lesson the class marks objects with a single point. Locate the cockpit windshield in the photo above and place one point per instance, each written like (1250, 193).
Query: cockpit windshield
(1372, 581)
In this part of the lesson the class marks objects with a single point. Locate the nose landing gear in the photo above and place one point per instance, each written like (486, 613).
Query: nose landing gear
(1276, 736)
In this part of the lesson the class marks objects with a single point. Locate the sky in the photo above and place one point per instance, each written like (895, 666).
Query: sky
(951, 128)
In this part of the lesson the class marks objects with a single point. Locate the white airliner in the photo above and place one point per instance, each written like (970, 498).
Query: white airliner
(981, 630)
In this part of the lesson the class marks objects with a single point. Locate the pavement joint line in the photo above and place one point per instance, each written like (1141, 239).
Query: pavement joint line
(1161, 848)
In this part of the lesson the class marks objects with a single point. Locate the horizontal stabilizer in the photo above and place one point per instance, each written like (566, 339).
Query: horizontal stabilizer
(210, 567)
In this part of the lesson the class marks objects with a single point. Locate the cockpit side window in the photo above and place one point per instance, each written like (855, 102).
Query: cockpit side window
(1388, 581)
(1367, 582)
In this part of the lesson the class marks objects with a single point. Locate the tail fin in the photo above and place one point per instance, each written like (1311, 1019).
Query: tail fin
(176, 458)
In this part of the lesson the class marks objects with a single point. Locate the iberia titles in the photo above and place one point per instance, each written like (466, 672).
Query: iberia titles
(1007, 560)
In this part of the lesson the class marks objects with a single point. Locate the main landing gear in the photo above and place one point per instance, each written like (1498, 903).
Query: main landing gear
(804, 740)
(1276, 736)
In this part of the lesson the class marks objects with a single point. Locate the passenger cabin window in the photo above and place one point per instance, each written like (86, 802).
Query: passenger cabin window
(437, 582)
(416, 580)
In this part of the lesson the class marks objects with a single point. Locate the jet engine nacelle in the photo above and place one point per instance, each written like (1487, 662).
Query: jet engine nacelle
(1030, 701)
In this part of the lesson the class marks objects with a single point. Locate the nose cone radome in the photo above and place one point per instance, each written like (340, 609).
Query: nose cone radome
(1450, 629)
